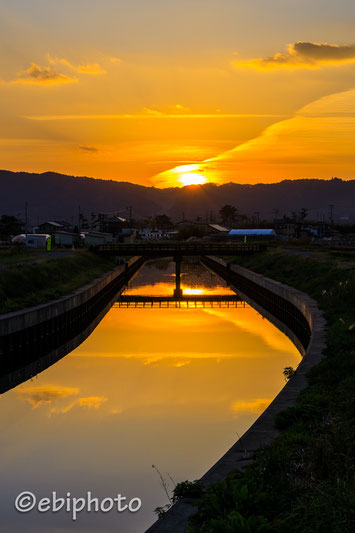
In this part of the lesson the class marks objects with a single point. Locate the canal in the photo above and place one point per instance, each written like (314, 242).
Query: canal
(172, 387)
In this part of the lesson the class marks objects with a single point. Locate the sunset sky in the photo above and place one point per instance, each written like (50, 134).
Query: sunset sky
(167, 92)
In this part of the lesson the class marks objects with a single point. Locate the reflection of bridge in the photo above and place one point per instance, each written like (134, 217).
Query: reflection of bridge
(188, 301)
(178, 250)
(174, 249)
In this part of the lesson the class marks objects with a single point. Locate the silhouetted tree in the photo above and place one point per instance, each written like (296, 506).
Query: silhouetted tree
(228, 214)
(10, 226)
(303, 213)
(163, 222)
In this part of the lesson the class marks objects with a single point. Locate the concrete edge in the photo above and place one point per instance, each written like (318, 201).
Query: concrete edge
(263, 431)
(32, 316)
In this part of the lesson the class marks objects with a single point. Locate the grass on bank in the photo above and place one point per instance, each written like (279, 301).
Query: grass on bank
(34, 284)
(304, 481)
(10, 255)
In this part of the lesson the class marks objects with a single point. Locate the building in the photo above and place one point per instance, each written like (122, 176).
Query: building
(216, 229)
(66, 239)
(204, 227)
(37, 240)
(95, 238)
(152, 234)
(287, 228)
(295, 229)
(112, 223)
(51, 227)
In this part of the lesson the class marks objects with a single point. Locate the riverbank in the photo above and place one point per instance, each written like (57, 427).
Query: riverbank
(26, 285)
(304, 481)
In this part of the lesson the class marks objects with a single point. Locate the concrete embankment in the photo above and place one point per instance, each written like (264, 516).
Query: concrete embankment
(31, 333)
(299, 317)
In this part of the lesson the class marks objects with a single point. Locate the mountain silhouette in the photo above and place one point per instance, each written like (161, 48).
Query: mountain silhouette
(52, 196)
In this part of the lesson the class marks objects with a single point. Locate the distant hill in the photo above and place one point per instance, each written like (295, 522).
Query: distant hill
(52, 196)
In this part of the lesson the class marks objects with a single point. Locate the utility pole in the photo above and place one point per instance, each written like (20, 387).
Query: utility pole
(331, 208)
(26, 216)
(130, 219)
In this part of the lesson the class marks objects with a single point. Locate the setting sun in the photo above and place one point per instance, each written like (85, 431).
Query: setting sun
(181, 176)
(192, 178)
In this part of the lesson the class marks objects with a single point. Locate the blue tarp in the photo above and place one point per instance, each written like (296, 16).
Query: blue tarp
(269, 232)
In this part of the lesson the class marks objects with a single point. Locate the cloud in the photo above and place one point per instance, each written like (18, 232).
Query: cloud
(92, 402)
(62, 410)
(50, 394)
(37, 75)
(175, 111)
(88, 148)
(91, 68)
(88, 68)
(303, 55)
(51, 75)
(317, 142)
(37, 396)
(254, 406)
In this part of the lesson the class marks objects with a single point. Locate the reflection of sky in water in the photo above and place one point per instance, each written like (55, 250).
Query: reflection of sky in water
(170, 387)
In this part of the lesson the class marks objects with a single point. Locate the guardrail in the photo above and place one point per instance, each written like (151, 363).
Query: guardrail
(178, 248)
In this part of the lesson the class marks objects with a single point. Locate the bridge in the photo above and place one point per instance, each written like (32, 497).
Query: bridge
(178, 249)
(182, 301)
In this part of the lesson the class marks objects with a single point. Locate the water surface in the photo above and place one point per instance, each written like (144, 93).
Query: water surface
(169, 387)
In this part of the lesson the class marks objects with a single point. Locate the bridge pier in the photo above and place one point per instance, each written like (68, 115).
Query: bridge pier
(178, 290)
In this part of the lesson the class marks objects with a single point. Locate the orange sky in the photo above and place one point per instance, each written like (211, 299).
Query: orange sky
(165, 94)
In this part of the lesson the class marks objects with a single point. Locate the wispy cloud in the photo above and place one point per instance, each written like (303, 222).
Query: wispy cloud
(37, 396)
(91, 68)
(253, 406)
(87, 68)
(316, 140)
(303, 55)
(92, 402)
(88, 149)
(177, 112)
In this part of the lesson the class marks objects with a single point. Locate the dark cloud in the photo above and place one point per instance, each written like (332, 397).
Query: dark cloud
(304, 54)
(323, 51)
(88, 148)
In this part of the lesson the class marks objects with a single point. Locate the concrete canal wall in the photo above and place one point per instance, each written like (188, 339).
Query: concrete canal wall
(31, 333)
(299, 317)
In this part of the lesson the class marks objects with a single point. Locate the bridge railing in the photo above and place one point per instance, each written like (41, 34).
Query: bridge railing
(181, 248)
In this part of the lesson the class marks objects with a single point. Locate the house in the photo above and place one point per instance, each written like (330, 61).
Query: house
(202, 228)
(53, 226)
(112, 223)
(287, 228)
